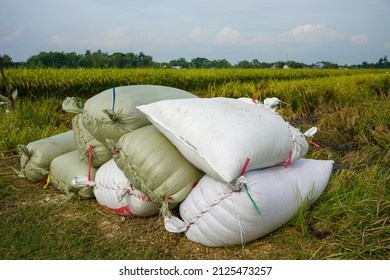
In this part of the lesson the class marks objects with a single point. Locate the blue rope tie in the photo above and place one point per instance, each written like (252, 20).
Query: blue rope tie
(113, 99)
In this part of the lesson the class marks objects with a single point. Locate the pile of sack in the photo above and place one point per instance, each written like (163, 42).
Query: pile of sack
(233, 167)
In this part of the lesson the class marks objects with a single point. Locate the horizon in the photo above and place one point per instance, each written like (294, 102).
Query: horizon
(189, 60)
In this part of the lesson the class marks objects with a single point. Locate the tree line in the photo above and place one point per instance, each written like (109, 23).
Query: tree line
(99, 59)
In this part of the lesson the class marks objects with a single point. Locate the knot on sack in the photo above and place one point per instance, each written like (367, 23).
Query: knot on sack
(164, 210)
(114, 117)
(72, 105)
(111, 145)
(310, 133)
(23, 150)
(82, 182)
(239, 184)
(271, 103)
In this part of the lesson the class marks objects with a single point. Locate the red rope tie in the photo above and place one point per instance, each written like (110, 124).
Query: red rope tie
(194, 183)
(45, 182)
(286, 164)
(41, 183)
(245, 166)
(313, 143)
(116, 151)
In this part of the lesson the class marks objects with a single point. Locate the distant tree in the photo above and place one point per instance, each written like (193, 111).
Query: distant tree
(48, 59)
(144, 61)
(56, 59)
(85, 60)
(223, 63)
(382, 63)
(118, 60)
(255, 63)
(278, 64)
(72, 59)
(131, 60)
(264, 65)
(5, 61)
(244, 64)
(199, 62)
(367, 65)
(100, 59)
(182, 62)
(326, 65)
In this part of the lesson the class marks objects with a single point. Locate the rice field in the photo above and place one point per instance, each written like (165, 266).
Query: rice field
(351, 109)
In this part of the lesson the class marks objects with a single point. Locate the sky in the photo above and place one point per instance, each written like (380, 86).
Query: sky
(308, 31)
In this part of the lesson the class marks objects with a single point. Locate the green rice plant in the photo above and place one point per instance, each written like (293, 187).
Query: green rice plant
(233, 89)
(351, 217)
(348, 221)
(87, 82)
(32, 120)
(353, 214)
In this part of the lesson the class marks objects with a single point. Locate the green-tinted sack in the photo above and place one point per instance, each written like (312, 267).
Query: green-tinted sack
(35, 157)
(113, 112)
(154, 166)
(64, 168)
(87, 144)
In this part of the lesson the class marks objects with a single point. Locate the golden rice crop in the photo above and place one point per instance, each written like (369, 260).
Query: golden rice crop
(216, 82)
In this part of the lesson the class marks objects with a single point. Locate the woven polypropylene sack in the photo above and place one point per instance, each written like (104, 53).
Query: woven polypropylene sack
(35, 157)
(88, 146)
(224, 136)
(117, 195)
(216, 215)
(67, 166)
(112, 113)
(154, 165)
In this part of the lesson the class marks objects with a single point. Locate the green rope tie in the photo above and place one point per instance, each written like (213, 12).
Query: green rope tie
(253, 202)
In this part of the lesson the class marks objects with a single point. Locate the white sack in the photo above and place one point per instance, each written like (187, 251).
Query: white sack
(67, 166)
(35, 157)
(215, 215)
(83, 139)
(112, 113)
(154, 166)
(115, 193)
(218, 135)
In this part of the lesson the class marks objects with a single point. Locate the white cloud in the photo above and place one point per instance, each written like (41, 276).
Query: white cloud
(11, 36)
(59, 40)
(387, 45)
(309, 33)
(227, 35)
(198, 35)
(261, 39)
(116, 37)
(360, 38)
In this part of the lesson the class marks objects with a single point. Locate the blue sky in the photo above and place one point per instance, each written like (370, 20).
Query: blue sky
(342, 31)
